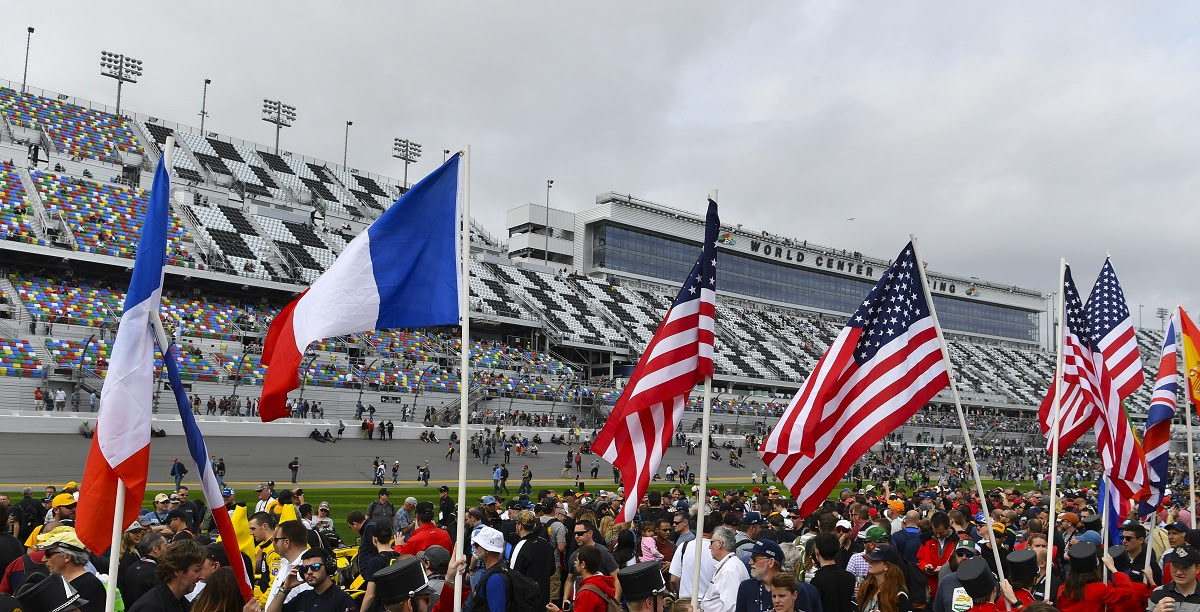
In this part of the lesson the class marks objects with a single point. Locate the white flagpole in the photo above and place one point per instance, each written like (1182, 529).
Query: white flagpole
(962, 419)
(1104, 518)
(114, 552)
(1187, 419)
(703, 497)
(464, 390)
(1149, 544)
(1054, 420)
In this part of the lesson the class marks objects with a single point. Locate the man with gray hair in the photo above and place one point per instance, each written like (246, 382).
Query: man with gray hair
(721, 595)
(403, 523)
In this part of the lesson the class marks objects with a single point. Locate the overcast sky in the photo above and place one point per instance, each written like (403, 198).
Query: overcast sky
(1006, 135)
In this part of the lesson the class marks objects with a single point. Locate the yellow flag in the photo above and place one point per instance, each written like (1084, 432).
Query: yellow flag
(1191, 356)
(241, 526)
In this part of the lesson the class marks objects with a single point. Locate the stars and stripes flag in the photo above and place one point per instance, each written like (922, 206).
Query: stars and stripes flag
(1157, 438)
(1118, 364)
(678, 357)
(1076, 415)
(880, 370)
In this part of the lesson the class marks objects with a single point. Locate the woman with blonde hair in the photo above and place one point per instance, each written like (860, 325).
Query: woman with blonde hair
(607, 529)
(884, 588)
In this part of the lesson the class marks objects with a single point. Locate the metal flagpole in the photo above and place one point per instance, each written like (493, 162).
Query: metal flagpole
(1187, 419)
(962, 419)
(703, 497)
(1149, 543)
(1054, 421)
(464, 390)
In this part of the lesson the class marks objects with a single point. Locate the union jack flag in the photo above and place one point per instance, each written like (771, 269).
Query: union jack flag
(679, 356)
(1157, 438)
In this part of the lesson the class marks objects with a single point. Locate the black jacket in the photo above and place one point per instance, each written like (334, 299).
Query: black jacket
(836, 587)
(137, 581)
(537, 561)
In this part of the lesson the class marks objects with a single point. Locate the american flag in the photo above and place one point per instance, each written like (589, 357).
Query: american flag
(1076, 415)
(1157, 438)
(1117, 363)
(879, 371)
(679, 356)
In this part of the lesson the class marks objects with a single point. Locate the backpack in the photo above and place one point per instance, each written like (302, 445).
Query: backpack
(612, 604)
(523, 592)
(28, 519)
(917, 583)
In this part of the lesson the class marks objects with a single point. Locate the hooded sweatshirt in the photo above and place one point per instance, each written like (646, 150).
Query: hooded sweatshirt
(587, 601)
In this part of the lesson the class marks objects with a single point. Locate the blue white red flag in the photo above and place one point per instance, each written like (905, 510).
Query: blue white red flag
(403, 271)
(1157, 438)
(213, 497)
(678, 357)
(120, 450)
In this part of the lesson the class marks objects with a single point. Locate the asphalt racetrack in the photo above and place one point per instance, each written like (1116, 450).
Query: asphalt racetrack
(41, 459)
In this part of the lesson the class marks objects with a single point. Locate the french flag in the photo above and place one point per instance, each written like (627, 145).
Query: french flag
(208, 480)
(120, 450)
(403, 271)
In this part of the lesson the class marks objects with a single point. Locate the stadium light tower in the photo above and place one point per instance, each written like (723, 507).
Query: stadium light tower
(28, 40)
(280, 114)
(1163, 315)
(204, 107)
(123, 69)
(407, 150)
(346, 145)
(546, 226)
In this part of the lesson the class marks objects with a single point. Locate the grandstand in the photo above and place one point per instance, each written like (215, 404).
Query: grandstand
(556, 330)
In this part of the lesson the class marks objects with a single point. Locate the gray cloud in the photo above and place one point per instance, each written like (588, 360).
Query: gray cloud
(1006, 136)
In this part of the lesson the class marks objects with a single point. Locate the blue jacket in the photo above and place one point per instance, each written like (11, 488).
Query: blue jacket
(752, 596)
(907, 542)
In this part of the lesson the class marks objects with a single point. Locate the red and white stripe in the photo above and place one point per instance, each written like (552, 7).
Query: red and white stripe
(851, 408)
(643, 422)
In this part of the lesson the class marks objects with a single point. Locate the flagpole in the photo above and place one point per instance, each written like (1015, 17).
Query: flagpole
(464, 390)
(1149, 543)
(703, 497)
(1187, 419)
(1054, 421)
(962, 419)
(1105, 515)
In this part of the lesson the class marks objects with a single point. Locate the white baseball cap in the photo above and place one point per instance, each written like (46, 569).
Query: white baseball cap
(490, 539)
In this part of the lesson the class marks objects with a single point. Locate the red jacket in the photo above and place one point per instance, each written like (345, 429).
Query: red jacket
(1096, 593)
(423, 537)
(587, 601)
(931, 554)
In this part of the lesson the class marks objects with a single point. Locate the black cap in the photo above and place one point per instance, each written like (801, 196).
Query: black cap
(884, 553)
(1192, 538)
(1023, 565)
(400, 581)
(976, 577)
(1184, 556)
(8, 603)
(1083, 557)
(177, 514)
(48, 592)
(443, 489)
(1120, 558)
(424, 511)
(1092, 522)
(641, 580)
(384, 491)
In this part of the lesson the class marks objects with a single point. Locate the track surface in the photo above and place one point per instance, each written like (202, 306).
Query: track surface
(41, 459)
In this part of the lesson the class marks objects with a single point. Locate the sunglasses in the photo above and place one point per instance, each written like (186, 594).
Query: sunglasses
(580, 533)
(312, 567)
(1126, 538)
(965, 553)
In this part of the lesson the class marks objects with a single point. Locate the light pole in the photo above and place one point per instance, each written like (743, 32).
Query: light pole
(123, 69)
(546, 226)
(280, 114)
(304, 377)
(28, 40)
(362, 382)
(1163, 315)
(1140, 316)
(346, 144)
(407, 150)
(204, 106)
(237, 373)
